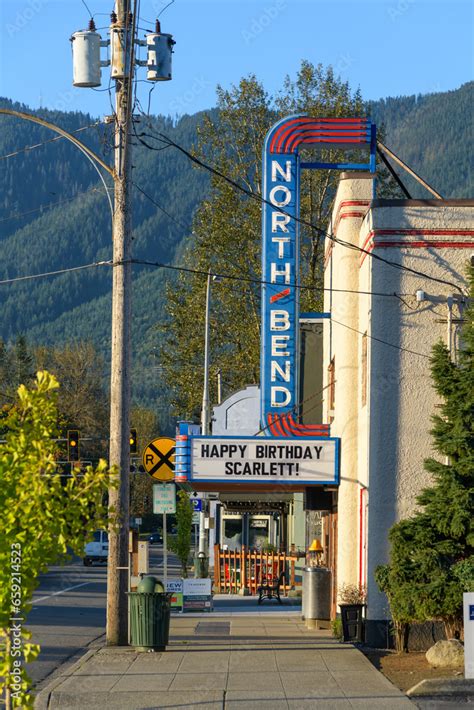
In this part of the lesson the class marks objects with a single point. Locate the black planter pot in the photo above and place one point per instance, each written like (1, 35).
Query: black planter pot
(352, 622)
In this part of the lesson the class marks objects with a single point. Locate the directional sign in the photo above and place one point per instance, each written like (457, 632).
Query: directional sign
(158, 459)
(197, 504)
(164, 498)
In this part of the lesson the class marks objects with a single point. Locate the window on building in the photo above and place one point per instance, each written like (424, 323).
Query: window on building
(332, 388)
(364, 370)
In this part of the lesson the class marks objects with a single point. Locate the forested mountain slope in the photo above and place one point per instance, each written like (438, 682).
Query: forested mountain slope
(54, 215)
(433, 133)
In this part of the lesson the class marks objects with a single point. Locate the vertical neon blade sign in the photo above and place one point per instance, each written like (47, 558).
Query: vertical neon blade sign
(279, 379)
(280, 269)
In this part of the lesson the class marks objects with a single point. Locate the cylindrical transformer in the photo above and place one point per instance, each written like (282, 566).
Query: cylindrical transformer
(86, 58)
(159, 51)
(121, 52)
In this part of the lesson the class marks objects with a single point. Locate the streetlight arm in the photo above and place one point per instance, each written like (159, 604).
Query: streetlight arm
(62, 132)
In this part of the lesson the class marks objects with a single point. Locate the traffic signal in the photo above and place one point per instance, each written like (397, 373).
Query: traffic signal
(73, 445)
(133, 441)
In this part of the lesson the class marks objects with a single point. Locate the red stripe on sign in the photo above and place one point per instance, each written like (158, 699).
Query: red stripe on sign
(286, 133)
(277, 296)
(324, 137)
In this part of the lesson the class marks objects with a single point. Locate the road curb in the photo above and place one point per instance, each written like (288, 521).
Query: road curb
(443, 687)
(42, 699)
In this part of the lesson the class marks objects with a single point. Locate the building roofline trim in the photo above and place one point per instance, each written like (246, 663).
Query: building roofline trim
(385, 202)
(353, 175)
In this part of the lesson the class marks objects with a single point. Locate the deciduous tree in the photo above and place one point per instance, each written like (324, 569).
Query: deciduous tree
(180, 543)
(43, 518)
(227, 233)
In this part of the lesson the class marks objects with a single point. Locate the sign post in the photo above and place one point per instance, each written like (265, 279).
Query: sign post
(165, 549)
(468, 603)
(164, 501)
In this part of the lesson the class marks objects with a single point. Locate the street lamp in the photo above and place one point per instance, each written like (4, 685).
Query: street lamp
(205, 413)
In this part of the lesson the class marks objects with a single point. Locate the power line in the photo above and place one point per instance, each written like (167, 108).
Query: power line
(55, 273)
(165, 139)
(50, 140)
(379, 340)
(85, 5)
(245, 279)
(160, 207)
(223, 276)
(257, 281)
(48, 205)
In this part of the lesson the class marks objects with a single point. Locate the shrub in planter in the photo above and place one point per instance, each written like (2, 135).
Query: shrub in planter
(336, 628)
(352, 603)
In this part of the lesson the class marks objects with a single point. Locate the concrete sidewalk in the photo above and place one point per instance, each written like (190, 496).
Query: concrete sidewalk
(218, 662)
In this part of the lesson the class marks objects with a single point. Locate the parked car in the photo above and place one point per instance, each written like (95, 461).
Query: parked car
(155, 538)
(98, 549)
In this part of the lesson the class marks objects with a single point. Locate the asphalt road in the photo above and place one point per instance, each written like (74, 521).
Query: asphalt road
(69, 611)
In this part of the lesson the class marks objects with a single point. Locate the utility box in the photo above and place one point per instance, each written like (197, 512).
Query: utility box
(86, 58)
(143, 557)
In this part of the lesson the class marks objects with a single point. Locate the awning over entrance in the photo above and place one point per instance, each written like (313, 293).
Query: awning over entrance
(252, 503)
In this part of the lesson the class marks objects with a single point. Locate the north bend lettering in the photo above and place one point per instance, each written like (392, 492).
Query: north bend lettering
(281, 264)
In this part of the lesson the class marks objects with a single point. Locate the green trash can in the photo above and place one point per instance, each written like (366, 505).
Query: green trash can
(149, 616)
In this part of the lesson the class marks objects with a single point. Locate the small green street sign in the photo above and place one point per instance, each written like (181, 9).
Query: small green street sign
(164, 498)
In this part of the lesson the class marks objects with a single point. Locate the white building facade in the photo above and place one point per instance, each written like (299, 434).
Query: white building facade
(379, 397)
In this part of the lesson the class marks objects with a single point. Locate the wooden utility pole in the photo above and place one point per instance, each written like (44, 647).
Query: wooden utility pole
(117, 570)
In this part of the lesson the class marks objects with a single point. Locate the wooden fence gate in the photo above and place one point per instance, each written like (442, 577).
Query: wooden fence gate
(248, 569)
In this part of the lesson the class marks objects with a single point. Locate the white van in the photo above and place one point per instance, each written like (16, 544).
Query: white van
(98, 549)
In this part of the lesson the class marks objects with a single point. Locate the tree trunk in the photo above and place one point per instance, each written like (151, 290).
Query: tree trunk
(452, 627)
(402, 630)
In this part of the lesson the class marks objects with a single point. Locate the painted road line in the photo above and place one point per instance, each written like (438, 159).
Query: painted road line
(61, 591)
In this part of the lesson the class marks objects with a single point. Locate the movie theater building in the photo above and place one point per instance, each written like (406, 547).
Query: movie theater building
(379, 397)
(352, 384)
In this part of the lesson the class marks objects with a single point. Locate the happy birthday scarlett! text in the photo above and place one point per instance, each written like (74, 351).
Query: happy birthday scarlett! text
(287, 458)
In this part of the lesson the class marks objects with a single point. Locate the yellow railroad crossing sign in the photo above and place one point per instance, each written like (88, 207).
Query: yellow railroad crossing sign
(158, 458)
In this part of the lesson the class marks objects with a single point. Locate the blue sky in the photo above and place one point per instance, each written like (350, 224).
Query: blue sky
(387, 47)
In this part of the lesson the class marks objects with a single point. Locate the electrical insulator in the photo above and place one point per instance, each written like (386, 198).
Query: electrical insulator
(86, 57)
(159, 51)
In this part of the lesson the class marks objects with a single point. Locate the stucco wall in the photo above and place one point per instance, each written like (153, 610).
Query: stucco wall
(385, 441)
(433, 238)
(342, 272)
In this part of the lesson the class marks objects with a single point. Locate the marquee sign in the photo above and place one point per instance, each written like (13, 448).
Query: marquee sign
(279, 380)
(264, 460)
